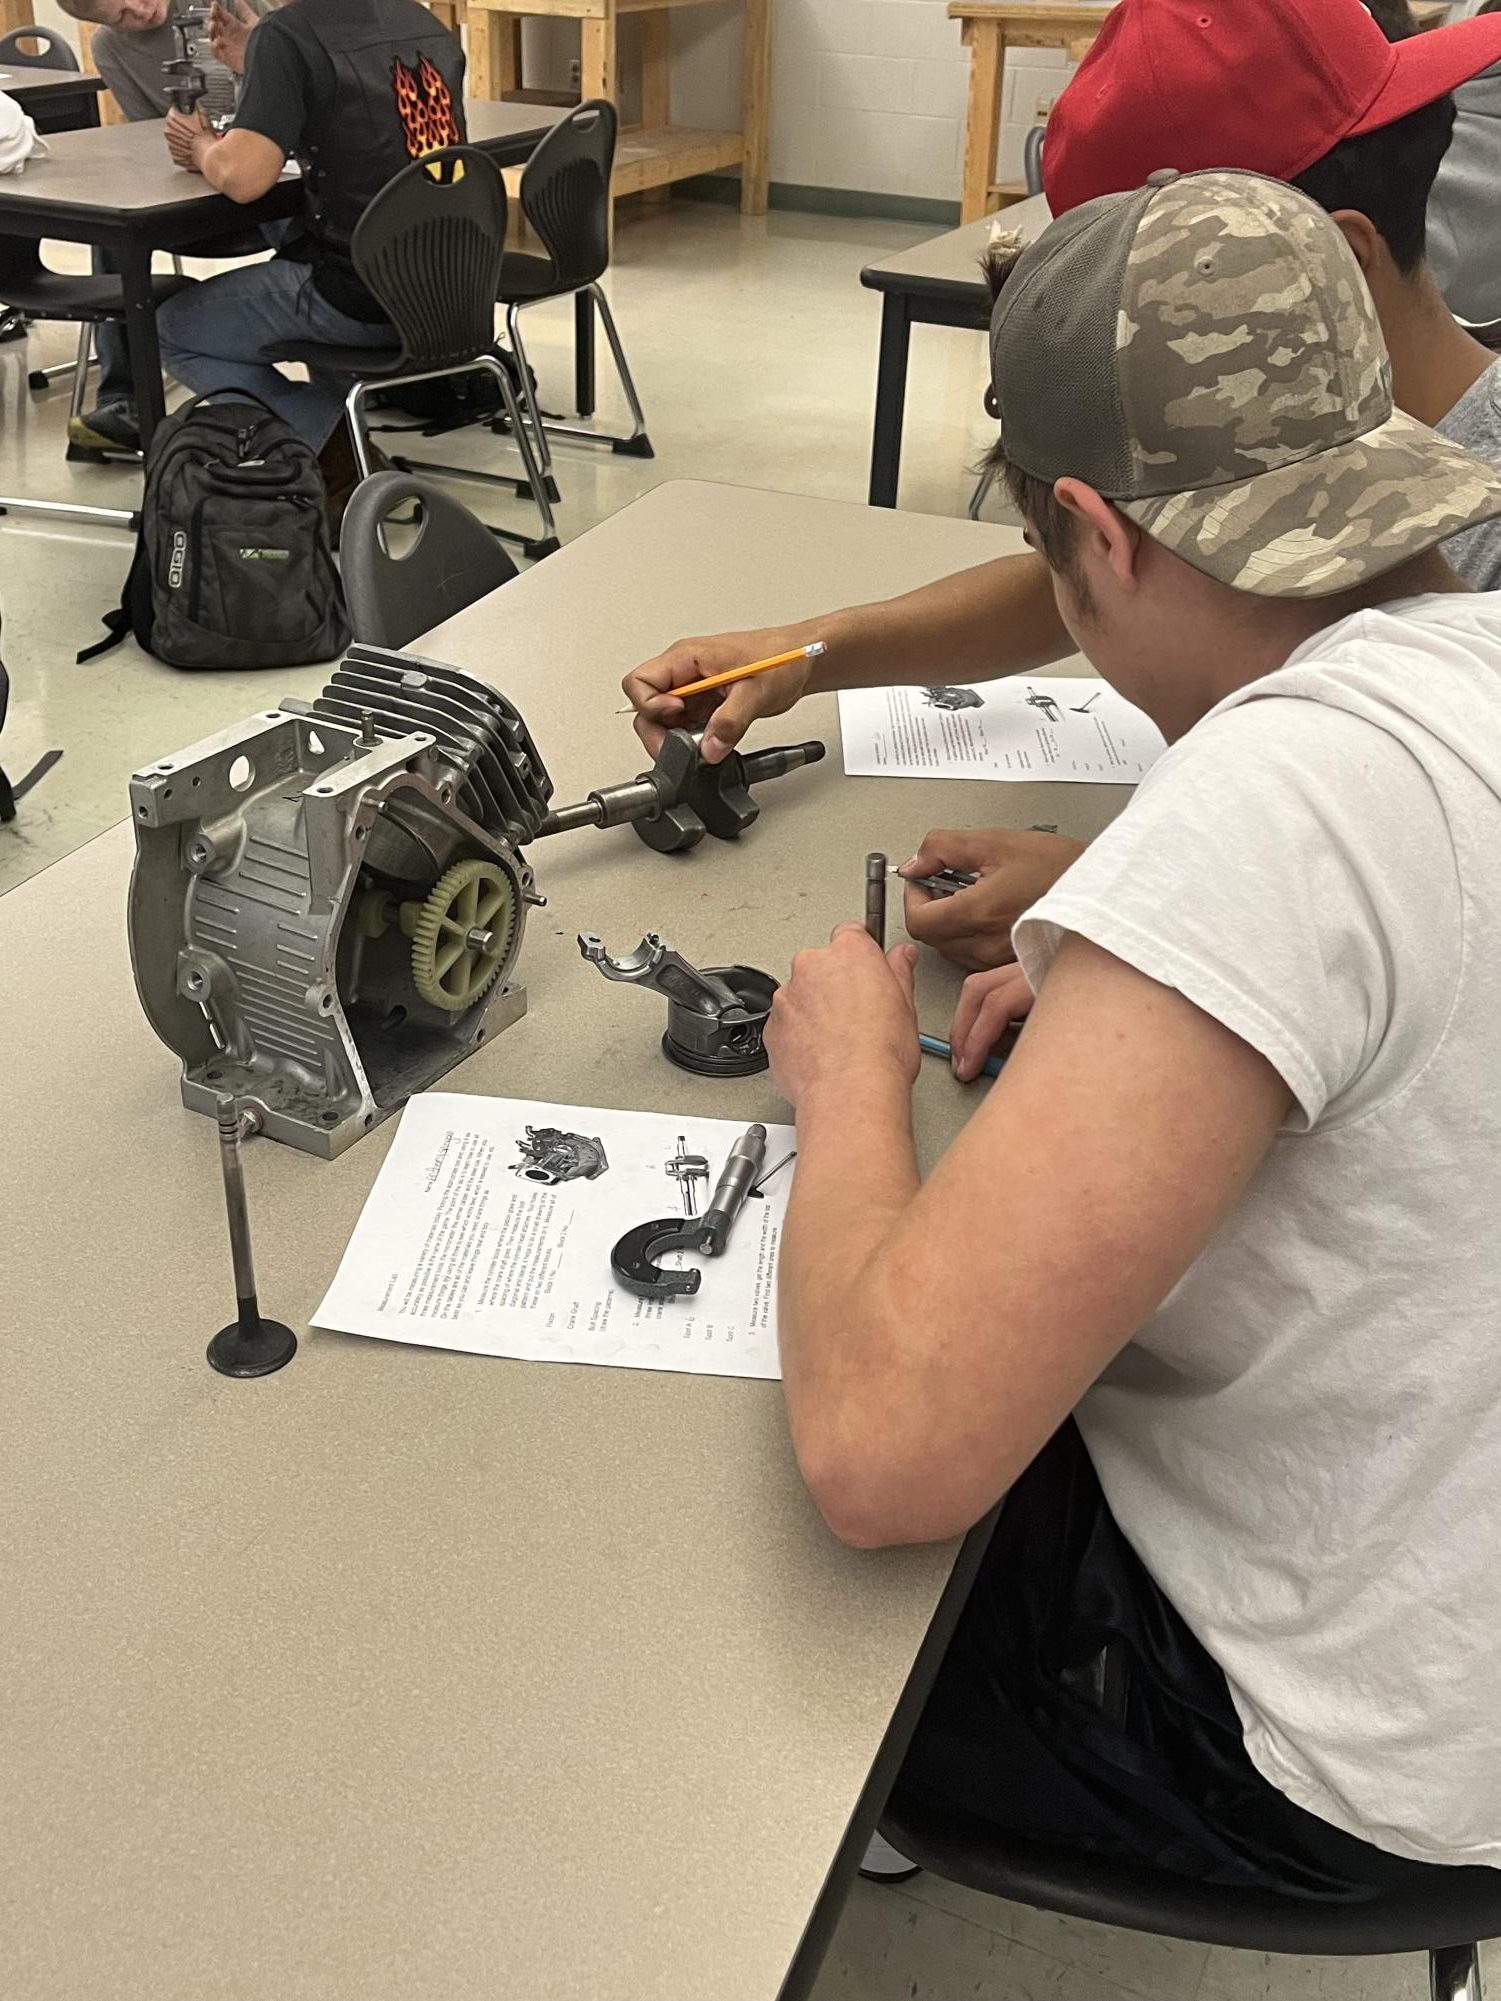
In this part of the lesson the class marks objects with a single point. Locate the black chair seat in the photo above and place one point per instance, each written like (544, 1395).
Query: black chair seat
(62, 295)
(1441, 1907)
(361, 362)
(523, 277)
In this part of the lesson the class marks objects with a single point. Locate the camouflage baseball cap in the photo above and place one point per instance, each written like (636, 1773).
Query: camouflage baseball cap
(1203, 351)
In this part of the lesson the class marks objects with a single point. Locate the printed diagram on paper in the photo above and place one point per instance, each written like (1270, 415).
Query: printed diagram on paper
(491, 1223)
(1024, 727)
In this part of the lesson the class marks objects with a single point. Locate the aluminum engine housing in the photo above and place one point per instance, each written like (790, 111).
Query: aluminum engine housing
(276, 864)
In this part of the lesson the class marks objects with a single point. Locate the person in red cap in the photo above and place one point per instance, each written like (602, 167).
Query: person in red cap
(1309, 91)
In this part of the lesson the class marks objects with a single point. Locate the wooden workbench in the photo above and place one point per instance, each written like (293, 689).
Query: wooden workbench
(990, 28)
(656, 152)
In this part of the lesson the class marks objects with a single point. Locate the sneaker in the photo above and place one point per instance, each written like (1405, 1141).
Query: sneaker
(885, 1864)
(112, 427)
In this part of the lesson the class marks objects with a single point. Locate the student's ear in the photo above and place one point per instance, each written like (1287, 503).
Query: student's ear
(1363, 237)
(1117, 541)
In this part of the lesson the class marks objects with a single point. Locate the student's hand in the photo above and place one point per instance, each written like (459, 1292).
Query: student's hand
(989, 1003)
(229, 31)
(185, 137)
(727, 713)
(844, 1017)
(973, 927)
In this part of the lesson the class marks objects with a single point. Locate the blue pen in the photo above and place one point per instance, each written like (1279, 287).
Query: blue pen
(931, 1046)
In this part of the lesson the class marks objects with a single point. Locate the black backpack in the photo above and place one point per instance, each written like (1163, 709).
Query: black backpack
(232, 565)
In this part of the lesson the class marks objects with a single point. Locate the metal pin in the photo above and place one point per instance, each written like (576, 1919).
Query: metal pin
(875, 898)
(249, 1346)
(367, 728)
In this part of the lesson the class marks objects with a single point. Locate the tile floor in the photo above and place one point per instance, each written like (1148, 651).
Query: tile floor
(754, 348)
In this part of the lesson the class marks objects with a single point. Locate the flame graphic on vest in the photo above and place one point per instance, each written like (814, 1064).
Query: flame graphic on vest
(425, 107)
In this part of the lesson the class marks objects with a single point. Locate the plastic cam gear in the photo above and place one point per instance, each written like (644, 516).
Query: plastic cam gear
(449, 969)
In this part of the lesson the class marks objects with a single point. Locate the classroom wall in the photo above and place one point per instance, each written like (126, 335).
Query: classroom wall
(866, 94)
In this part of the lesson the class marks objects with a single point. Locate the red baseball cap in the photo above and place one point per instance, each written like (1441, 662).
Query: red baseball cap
(1271, 85)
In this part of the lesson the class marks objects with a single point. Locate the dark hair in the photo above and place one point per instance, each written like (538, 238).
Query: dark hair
(1395, 19)
(1387, 175)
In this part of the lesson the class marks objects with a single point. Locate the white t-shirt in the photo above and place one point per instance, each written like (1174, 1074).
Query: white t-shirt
(1304, 1442)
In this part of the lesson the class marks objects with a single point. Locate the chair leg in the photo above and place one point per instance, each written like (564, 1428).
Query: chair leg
(40, 377)
(535, 478)
(534, 483)
(1454, 1973)
(359, 434)
(636, 445)
(977, 498)
(528, 393)
(81, 369)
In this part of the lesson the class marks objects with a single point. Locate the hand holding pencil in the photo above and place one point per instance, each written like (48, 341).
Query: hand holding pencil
(764, 674)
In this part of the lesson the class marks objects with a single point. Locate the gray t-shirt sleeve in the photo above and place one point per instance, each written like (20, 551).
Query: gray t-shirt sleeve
(131, 64)
(1475, 422)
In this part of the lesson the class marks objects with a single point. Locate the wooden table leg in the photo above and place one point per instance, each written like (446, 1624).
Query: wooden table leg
(494, 52)
(656, 79)
(140, 336)
(755, 116)
(982, 130)
(597, 69)
(891, 400)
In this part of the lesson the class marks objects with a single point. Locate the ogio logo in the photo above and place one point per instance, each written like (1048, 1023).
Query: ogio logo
(179, 558)
(265, 555)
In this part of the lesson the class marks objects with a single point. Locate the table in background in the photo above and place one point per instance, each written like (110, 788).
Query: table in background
(654, 153)
(60, 100)
(990, 27)
(937, 283)
(405, 1675)
(115, 186)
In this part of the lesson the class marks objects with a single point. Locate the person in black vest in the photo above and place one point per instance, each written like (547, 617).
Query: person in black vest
(353, 90)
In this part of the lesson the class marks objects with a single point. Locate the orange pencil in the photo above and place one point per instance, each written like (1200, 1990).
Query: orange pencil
(810, 652)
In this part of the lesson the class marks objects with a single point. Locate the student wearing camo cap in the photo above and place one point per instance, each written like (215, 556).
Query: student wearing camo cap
(1307, 91)
(1208, 1286)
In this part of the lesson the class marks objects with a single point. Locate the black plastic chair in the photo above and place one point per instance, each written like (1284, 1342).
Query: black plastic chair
(429, 248)
(1444, 1913)
(31, 288)
(50, 51)
(453, 560)
(565, 197)
(1032, 160)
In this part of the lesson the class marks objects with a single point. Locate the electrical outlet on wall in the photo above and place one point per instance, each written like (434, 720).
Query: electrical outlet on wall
(1041, 109)
(576, 74)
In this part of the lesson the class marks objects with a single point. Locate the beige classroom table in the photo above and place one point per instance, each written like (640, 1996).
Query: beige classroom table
(404, 1675)
(936, 283)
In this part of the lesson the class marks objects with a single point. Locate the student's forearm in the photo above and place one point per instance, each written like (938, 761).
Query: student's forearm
(856, 1176)
(998, 618)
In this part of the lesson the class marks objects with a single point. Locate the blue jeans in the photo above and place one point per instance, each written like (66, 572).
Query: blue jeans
(216, 336)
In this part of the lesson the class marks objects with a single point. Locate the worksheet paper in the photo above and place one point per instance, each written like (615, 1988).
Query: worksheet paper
(1043, 727)
(457, 1247)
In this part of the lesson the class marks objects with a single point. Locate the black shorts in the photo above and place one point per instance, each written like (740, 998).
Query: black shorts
(1075, 1706)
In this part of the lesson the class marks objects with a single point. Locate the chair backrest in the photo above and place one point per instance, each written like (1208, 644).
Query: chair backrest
(429, 247)
(1032, 160)
(36, 48)
(453, 561)
(565, 192)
